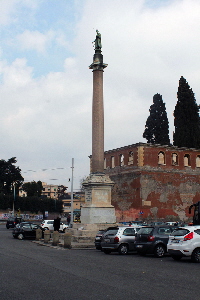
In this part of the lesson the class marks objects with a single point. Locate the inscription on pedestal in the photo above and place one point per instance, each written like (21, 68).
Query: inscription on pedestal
(88, 196)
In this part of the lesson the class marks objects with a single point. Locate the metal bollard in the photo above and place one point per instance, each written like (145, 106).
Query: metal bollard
(68, 240)
(38, 234)
(55, 238)
(47, 235)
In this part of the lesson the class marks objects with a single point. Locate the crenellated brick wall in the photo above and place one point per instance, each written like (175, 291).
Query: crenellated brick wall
(157, 181)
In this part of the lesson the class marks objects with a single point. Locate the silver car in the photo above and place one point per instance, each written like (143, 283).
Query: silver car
(120, 239)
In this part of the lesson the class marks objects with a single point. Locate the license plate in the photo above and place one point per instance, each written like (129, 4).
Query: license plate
(98, 238)
(139, 246)
(175, 241)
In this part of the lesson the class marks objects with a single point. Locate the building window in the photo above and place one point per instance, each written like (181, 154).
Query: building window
(121, 159)
(104, 163)
(130, 158)
(198, 161)
(161, 158)
(174, 159)
(112, 162)
(186, 160)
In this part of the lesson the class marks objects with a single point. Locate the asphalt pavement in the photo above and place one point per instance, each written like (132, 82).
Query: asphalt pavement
(30, 271)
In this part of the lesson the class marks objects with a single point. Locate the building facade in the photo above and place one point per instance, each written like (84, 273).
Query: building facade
(153, 181)
(53, 191)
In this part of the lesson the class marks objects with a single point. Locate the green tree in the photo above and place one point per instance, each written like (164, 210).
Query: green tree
(157, 125)
(33, 188)
(10, 175)
(186, 117)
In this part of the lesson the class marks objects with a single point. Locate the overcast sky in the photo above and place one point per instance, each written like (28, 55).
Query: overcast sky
(46, 85)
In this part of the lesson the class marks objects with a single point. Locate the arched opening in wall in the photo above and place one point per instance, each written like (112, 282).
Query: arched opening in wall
(104, 163)
(174, 159)
(161, 158)
(198, 161)
(186, 160)
(112, 161)
(121, 160)
(130, 158)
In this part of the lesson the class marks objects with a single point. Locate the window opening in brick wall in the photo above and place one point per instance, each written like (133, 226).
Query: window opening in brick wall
(130, 158)
(198, 161)
(104, 163)
(186, 160)
(121, 157)
(112, 161)
(161, 158)
(174, 159)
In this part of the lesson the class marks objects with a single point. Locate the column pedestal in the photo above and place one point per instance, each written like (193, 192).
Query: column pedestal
(97, 207)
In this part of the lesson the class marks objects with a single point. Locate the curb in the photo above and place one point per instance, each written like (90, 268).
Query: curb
(60, 246)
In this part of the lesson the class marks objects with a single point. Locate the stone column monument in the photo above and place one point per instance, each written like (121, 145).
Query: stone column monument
(97, 207)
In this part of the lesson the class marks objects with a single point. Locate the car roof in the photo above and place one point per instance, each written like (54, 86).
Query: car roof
(193, 227)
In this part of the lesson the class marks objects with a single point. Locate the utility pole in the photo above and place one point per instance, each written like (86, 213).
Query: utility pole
(72, 200)
(14, 196)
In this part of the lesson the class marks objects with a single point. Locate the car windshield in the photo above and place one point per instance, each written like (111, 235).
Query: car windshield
(145, 230)
(180, 232)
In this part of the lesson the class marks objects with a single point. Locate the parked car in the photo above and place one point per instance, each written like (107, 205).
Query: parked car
(120, 239)
(157, 223)
(185, 241)
(153, 240)
(25, 230)
(172, 223)
(13, 221)
(98, 239)
(48, 225)
(99, 235)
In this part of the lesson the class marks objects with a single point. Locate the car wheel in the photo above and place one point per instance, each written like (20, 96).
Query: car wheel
(123, 249)
(196, 255)
(159, 251)
(107, 251)
(20, 236)
(176, 257)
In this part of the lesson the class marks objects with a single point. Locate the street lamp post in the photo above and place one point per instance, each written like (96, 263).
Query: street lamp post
(14, 196)
(72, 200)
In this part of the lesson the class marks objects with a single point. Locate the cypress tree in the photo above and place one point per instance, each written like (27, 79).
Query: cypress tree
(186, 117)
(157, 125)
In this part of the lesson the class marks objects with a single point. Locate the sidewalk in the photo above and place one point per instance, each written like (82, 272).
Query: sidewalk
(60, 246)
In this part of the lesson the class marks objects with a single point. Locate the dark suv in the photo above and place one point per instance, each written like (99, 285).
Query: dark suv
(153, 240)
(13, 221)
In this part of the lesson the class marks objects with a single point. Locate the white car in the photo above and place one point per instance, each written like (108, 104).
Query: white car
(185, 241)
(48, 225)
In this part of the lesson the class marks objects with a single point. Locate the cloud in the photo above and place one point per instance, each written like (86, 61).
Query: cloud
(11, 10)
(35, 40)
(46, 115)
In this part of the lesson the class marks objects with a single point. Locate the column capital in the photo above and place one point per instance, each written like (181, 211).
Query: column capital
(98, 62)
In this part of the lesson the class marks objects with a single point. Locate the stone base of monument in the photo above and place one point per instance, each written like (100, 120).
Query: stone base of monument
(97, 207)
(98, 215)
